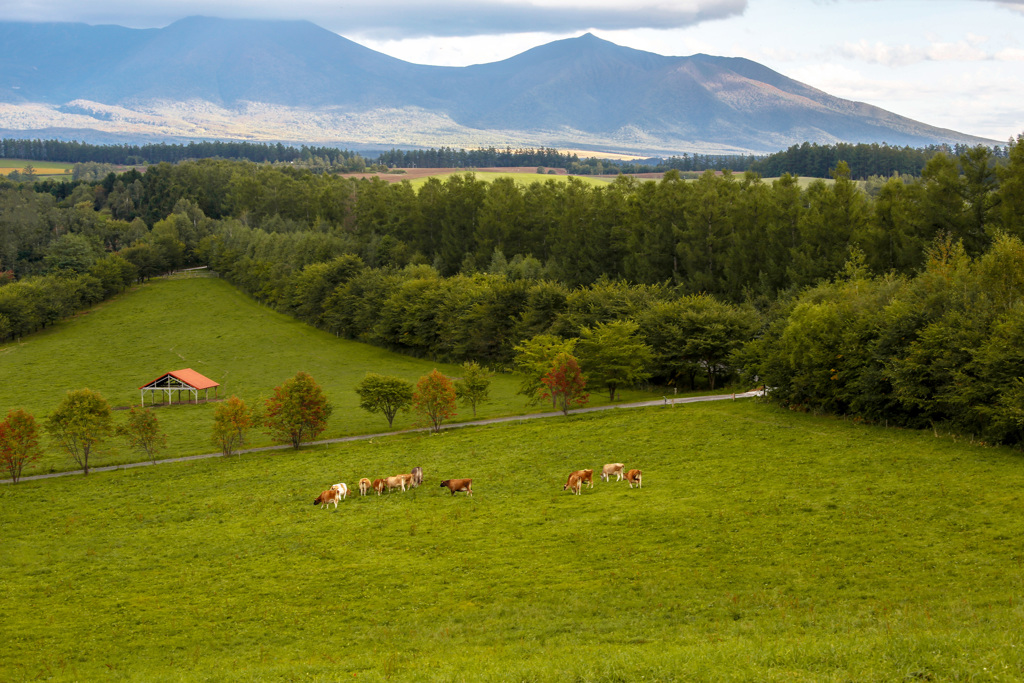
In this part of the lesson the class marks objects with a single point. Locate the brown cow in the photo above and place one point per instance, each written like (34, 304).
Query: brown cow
(574, 484)
(331, 495)
(613, 468)
(364, 486)
(378, 486)
(587, 476)
(397, 481)
(634, 477)
(459, 485)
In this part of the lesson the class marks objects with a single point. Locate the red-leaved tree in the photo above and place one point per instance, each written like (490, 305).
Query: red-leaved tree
(434, 398)
(564, 384)
(297, 411)
(19, 442)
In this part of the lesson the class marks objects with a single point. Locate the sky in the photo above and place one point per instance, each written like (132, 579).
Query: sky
(956, 64)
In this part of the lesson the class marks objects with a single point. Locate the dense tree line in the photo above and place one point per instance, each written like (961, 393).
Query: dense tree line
(865, 160)
(942, 349)
(448, 157)
(129, 154)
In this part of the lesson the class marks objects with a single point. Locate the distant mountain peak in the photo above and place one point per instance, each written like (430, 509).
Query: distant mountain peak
(268, 78)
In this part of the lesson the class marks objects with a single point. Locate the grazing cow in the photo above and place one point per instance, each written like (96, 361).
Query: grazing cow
(633, 477)
(458, 485)
(378, 486)
(342, 489)
(614, 468)
(331, 495)
(574, 484)
(364, 486)
(396, 481)
(587, 476)
(409, 480)
(417, 476)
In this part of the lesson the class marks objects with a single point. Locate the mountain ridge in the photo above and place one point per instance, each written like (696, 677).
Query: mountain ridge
(293, 80)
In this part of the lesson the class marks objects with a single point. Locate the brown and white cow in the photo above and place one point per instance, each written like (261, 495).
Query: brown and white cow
(575, 483)
(634, 477)
(454, 485)
(364, 486)
(612, 468)
(417, 476)
(331, 495)
(378, 486)
(342, 489)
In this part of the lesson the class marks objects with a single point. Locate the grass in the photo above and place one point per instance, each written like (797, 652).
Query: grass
(42, 168)
(765, 545)
(206, 324)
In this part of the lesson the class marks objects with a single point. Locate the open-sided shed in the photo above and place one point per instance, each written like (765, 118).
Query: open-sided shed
(187, 380)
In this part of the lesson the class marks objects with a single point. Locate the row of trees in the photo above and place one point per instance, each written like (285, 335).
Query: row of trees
(297, 412)
(128, 154)
(734, 237)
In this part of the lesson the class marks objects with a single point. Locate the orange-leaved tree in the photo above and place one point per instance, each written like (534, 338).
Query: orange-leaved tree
(19, 442)
(434, 398)
(564, 384)
(297, 411)
(232, 420)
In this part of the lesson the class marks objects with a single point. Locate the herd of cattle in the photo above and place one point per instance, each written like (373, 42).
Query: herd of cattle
(580, 477)
(577, 479)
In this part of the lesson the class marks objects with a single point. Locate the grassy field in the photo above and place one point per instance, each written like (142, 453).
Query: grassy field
(42, 168)
(207, 325)
(765, 545)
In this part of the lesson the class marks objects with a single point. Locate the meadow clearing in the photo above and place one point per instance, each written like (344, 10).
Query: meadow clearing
(207, 325)
(765, 545)
(48, 169)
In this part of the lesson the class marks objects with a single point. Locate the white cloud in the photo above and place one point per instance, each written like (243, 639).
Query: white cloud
(395, 19)
(1010, 54)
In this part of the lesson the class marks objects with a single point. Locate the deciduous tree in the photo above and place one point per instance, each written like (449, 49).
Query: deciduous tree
(474, 386)
(142, 432)
(434, 399)
(232, 420)
(384, 394)
(614, 355)
(297, 411)
(564, 384)
(19, 442)
(533, 359)
(80, 423)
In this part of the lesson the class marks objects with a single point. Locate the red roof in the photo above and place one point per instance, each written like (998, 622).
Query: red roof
(189, 377)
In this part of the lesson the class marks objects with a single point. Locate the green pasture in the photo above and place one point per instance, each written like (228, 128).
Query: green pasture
(209, 326)
(520, 178)
(764, 546)
(42, 168)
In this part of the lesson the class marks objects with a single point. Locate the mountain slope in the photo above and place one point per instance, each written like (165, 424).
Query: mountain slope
(202, 77)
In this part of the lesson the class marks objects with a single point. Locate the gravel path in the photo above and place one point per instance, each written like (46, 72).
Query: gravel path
(362, 437)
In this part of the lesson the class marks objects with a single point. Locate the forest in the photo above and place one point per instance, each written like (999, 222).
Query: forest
(898, 305)
(808, 159)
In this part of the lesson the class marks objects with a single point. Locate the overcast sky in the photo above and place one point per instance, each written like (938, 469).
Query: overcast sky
(957, 64)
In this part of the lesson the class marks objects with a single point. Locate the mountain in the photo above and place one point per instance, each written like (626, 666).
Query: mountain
(294, 81)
